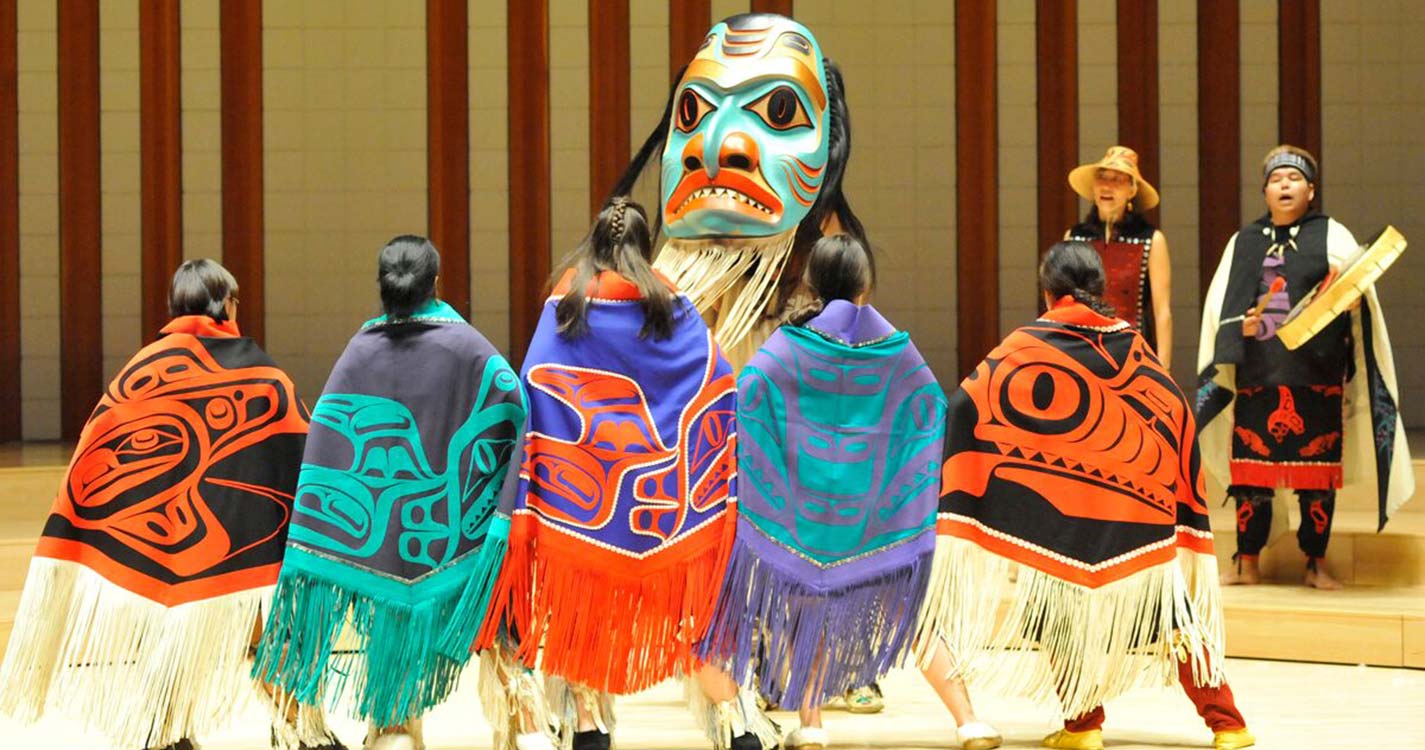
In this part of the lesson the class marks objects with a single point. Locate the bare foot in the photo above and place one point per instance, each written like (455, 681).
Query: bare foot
(1318, 578)
(1245, 573)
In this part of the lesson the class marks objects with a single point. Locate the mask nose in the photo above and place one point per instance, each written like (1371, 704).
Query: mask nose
(739, 151)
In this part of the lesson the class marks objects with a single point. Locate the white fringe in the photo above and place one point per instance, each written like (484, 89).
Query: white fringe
(566, 697)
(511, 695)
(141, 673)
(1092, 644)
(725, 720)
(744, 269)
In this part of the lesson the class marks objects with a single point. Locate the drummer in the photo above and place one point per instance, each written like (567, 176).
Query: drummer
(1283, 411)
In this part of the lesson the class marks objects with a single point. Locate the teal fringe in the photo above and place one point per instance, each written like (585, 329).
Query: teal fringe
(408, 657)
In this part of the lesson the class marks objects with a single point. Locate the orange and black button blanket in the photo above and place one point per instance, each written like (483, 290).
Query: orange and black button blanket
(1072, 469)
(163, 541)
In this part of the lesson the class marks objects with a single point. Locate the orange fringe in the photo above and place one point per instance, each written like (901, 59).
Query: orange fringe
(1297, 476)
(604, 620)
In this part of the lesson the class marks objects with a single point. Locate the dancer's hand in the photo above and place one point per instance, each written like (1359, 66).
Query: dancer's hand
(1251, 324)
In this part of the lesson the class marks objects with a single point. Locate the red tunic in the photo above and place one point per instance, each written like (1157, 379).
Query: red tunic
(1125, 265)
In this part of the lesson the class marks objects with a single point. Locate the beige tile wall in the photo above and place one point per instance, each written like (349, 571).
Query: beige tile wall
(345, 137)
(489, 174)
(1098, 80)
(344, 88)
(121, 288)
(649, 85)
(898, 64)
(1177, 137)
(39, 220)
(1259, 98)
(1373, 157)
(569, 124)
(721, 9)
(202, 131)
(1018, 165)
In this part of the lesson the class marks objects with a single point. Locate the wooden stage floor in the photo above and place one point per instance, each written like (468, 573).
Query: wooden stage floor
(1287, 705)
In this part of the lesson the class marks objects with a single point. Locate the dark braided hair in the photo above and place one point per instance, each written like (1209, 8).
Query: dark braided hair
(1074, 269)
(619, 242)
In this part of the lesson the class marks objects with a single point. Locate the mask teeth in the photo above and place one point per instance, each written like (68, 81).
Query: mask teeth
(726, 193)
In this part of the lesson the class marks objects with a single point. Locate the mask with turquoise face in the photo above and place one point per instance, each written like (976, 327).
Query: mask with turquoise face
(747, 146)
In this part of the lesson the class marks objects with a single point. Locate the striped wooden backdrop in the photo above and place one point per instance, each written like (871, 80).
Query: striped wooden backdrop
(448, 143)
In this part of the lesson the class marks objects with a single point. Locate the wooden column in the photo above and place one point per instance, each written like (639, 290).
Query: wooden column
(161, 157)
(448, 145)
(1299, 77)
(781, 7)
(608, 97)
(977, 177)
(240, 52)
(528, 46)
(688, 23)
(80, 310)
(1138, 86)
(9, 223)
(1219, 131)
(1056, 58)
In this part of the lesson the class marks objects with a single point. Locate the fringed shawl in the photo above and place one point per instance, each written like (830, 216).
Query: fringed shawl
(840, 430)
(163, 543)
(395, 531)
(1072, 458)
(624, 505)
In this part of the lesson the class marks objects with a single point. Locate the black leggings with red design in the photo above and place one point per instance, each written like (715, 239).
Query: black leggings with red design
(1254, 519)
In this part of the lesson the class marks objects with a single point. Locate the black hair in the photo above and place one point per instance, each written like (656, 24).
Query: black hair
(1074, 269)
(830, 199)
(619, 242)
(200, 287)
(839, 266)
(406, 273)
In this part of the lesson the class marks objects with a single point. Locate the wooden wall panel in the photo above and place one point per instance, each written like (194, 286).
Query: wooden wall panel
(81, 313)
(608, 97)
(1056, 52)
(1219, 130)
(1299, 76)
(448, 145)
(1138, 87)
(783, 7)
(9, 223)
(240, 60)
(161, 158)
(688, 22)
(976, 179)
(528, 49)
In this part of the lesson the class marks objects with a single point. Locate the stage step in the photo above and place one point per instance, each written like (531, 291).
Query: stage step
(1376, 625)
(1357, 554)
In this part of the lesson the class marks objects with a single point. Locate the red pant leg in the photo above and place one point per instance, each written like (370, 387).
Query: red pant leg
(1214, 704)
(1091, 720)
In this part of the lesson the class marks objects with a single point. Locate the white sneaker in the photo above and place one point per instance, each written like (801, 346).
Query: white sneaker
(807, 738)
(533, 741)
(978, 735)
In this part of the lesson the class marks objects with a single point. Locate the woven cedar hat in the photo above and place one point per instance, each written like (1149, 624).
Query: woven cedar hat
(1119, 159)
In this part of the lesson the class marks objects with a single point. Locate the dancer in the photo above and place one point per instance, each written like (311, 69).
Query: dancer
(1274, 417)
(146, 591)
(754, 141)
(1072, 460)
(395, 530)
(1135, 253)
(623, 506)
(840, 427)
